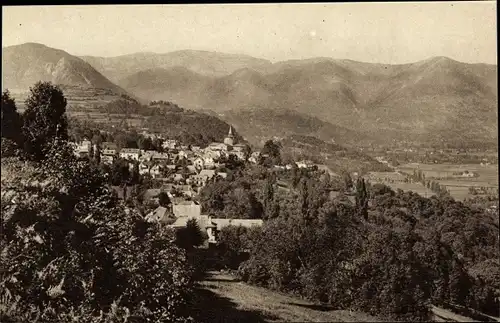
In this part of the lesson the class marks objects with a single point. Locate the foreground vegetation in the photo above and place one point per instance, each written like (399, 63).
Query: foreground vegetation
(390, 253)
(71, 252)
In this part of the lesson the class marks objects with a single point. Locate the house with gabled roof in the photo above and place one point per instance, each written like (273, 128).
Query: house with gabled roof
(160, 214)
(130, 153)
(203, 177)
(184, 207)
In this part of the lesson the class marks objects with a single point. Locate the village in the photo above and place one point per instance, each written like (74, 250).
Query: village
(181, 171)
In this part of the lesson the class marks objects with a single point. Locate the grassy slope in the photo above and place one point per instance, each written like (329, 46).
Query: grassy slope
(222, 299)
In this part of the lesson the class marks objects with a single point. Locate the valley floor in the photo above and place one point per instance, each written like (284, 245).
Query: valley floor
(221, 298)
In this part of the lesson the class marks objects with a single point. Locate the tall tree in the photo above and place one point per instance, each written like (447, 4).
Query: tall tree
(269, 196)
(273, 149)
(134, 175)
(190, 236)
(361, 198)
(295, 175)
(11, 120)
(97, 153)
(348, 183)
(44, 119)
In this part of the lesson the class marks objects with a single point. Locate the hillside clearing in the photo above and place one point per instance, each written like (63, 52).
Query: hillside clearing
(221, 298)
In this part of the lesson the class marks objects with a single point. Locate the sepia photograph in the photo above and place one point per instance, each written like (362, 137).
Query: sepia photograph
(272, 162)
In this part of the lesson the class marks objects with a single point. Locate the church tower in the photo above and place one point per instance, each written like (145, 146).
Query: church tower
(229, 140)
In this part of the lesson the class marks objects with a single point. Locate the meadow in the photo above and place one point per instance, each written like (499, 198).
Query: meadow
(457, 186)
(396, 181)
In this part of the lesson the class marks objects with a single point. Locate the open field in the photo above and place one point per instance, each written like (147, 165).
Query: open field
(488, 174)
(457, 186)
(221, 298)
(396, 181)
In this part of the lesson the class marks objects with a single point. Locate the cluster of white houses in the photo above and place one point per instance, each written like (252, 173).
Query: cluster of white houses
(183, 171)
(152, 161)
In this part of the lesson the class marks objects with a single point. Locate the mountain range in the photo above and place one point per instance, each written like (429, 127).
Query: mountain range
(432, 100)
(201, 62)
(438, 100)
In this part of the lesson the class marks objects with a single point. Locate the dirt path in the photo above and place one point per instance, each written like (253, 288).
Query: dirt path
(221, 298)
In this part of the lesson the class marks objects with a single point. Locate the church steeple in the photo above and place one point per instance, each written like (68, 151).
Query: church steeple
(229, 140)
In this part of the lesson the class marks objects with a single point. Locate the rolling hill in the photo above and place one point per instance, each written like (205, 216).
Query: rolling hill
(432, 101)
(24, 65)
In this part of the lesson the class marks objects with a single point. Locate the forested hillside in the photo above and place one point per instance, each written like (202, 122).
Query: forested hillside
(161, 117)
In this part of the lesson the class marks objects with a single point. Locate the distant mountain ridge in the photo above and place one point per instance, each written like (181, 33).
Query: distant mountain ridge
(202, 62)
(24, 65)
(433, 101)
(427, 101)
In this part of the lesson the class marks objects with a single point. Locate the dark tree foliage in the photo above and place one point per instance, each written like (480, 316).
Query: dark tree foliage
(135, 177)
(44, 119)
(232, 198)
(361, 198)
(120, 173)
(403, 254)
(273, 149)
(72, 253)
(189, 236)
(163, 199)
(11, 120)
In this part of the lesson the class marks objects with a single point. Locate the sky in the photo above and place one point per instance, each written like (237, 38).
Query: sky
(391, 33)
